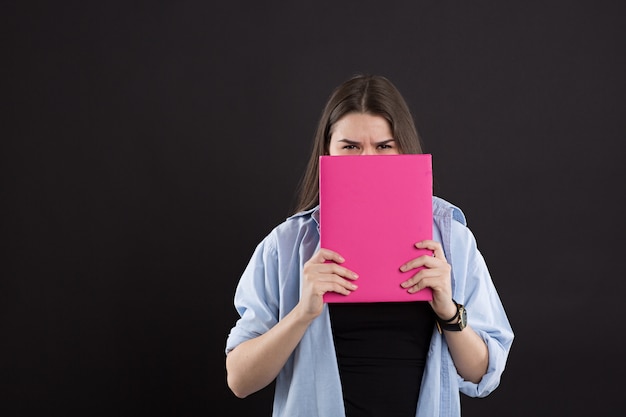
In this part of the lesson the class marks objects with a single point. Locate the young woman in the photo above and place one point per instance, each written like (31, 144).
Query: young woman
(365, 359)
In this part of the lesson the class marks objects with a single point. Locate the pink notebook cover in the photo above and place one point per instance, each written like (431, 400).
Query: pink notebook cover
(373, 209)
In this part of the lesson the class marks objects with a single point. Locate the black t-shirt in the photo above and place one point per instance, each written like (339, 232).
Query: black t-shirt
(381, 351)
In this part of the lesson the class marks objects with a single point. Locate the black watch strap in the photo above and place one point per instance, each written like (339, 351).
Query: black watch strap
(459, 319)
(455, 317)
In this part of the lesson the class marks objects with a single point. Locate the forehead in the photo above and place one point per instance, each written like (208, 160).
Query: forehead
(360, 126)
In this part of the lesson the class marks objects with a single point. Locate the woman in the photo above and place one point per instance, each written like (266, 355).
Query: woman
(370, 359)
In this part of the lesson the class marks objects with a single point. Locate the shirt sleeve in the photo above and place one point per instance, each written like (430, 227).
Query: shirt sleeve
(474, 287)
(256, 295)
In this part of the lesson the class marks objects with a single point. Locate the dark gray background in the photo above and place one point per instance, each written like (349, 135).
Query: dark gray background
(147, 147)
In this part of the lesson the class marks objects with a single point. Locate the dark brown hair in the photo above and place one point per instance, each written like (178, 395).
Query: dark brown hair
(371, 94)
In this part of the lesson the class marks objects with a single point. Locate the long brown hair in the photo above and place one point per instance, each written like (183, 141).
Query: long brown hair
(372, 94)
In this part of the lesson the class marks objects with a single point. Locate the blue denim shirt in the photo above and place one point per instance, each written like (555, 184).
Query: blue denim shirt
(309, 384)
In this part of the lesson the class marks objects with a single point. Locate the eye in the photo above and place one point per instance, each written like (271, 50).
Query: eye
(349, 147)
(387, 145)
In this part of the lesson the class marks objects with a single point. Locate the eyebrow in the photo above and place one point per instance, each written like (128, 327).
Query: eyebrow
(352, 142)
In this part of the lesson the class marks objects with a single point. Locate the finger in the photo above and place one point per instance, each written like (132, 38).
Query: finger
(422, 261)
(415, 284)
(415, 279)
(343, 285)
(424, 281)
(336, 283)
(324, 255)
(428, 277)
(432, 245)
(345, 289)
(338, 270)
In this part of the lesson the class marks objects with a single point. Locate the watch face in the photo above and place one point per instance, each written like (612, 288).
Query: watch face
(463, 321)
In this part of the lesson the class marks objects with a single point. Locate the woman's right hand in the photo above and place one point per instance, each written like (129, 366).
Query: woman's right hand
(256, 362)
(320, 276)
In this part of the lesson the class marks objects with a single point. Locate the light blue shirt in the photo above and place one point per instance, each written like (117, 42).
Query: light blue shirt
(309, 384)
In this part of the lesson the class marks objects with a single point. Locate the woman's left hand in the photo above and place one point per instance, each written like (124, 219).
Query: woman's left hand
(435, 274)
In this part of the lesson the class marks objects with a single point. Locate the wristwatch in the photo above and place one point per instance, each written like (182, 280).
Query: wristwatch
(456, 323)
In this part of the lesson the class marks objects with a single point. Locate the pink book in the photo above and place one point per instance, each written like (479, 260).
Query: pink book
(373, 209)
